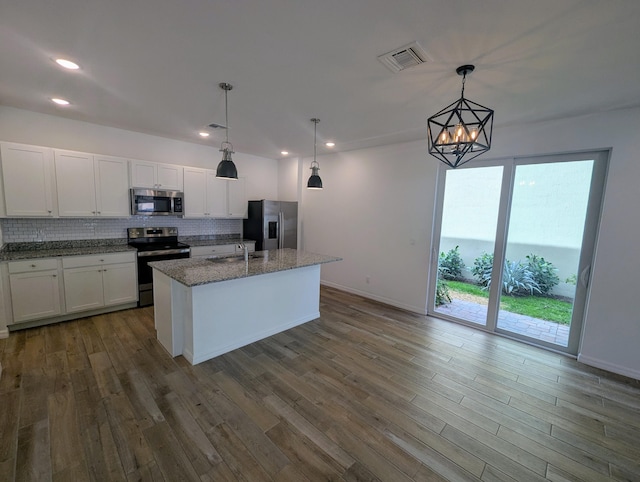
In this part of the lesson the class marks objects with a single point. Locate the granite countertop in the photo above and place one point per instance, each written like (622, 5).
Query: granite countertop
(51, 249)
(199, 271)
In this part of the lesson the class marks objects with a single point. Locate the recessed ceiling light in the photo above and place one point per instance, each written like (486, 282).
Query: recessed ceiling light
(60, 101)
(67, 64)
(330, 144)
(203, 134)
(284, 153)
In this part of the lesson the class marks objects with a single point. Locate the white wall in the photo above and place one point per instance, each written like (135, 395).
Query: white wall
(375, 211)
(376, 202)
(288, 179)
(27, 127)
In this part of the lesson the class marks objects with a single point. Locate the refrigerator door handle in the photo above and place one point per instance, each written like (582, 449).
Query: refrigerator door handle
(281, 233)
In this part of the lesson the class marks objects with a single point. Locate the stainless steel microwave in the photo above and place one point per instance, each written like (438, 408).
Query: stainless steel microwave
(152, 202)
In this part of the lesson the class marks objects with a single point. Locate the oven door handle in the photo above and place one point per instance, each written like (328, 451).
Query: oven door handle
(162, 252)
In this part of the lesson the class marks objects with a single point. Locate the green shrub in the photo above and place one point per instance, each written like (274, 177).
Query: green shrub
(442, 292)
(572, 280)
(544, 273)
(451, 264)
(482, 267)
(442, 289)
(517, 279)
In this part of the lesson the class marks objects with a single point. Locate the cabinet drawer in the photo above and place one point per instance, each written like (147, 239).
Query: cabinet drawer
(28, 265)
(217, 250)
(98, 259)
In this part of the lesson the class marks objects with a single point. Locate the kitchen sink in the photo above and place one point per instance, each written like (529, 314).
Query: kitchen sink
(232, 259)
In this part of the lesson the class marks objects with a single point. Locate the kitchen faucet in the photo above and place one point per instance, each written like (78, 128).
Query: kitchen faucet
(245, 249)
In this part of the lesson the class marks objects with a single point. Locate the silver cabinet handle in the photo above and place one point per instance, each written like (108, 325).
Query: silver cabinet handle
(55, 275)
(33, 265)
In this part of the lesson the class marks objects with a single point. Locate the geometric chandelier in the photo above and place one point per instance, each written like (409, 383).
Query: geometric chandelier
(462, 130)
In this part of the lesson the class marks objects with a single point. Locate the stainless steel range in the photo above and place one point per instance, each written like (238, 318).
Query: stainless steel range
(154, 244)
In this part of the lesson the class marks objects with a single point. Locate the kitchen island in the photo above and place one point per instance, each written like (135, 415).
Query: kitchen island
(207, 307)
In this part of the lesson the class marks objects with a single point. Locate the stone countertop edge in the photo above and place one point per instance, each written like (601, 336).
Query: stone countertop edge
(200, 271)
(8, 254)
(214, 242)
(54, 249)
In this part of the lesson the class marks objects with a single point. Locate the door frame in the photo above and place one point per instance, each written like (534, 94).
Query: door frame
(587, 252)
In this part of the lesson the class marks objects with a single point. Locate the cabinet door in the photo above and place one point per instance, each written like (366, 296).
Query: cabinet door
(195, 193)
(169, 177)
(112, 186)
(120, 283)
(75, 181)
(83, 288)
(28, 180)
(143, 174)
(34, 295)
(237, 200)
(216, 196)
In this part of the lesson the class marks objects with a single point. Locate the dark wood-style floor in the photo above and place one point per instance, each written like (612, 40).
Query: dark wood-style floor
(367, 392)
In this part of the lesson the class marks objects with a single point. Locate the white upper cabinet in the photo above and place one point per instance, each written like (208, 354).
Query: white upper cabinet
(90, 186)
(112, 186)
(74, 178)
(206, 196)
(195, 189)
(28, 180)
(237, 198)
(217, 195)
(153, 175)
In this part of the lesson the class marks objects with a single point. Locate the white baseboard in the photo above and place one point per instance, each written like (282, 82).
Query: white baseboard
(4, 333)
(610, 367)
(381, 299)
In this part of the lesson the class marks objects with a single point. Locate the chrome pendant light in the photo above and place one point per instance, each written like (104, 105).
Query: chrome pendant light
(314, 181)
(462, 130)
(226, 167)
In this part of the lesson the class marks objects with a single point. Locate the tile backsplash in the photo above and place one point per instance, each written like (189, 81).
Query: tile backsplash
(63, 229)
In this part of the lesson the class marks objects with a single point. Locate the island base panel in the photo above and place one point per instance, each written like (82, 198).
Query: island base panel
(208, 320)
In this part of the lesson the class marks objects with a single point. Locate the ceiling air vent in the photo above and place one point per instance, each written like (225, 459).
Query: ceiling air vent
(404, 57)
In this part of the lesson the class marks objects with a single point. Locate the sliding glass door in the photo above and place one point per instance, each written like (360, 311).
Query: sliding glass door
(468, 230)
(514, 243)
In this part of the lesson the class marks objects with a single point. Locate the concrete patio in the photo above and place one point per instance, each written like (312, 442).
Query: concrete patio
(524, 325)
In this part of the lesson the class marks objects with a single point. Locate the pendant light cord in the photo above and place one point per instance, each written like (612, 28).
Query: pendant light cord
(226, 112)
(315, 143)
(464, 78)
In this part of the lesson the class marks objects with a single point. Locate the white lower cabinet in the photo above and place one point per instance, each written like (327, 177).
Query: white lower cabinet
(92, 282)
(83, 289)
(89, 283)
(119, 283)
(35, 289)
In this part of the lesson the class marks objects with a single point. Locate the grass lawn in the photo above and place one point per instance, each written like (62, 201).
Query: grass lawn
(538, 307)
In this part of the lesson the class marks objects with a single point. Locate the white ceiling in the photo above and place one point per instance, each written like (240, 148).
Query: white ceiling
(154, 66)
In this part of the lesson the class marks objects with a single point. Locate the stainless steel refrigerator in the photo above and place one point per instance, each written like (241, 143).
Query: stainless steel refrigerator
(272, 224)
